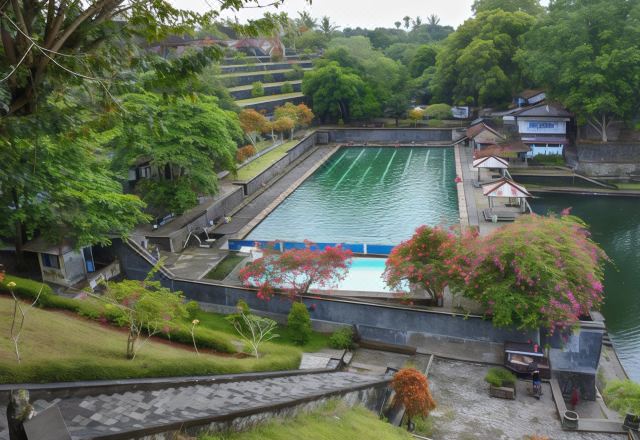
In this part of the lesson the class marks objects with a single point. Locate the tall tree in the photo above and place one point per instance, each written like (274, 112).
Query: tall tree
(587, 55)
(412, 391)
(397, 24)
(306, 22)
(424, 58)
(532, 7)
(475, 64)
(433, 20)
(417, 22)
(407, 22)
(338, 94)
(327, 27)
(44, 41)
(185, 142)
(57, 184)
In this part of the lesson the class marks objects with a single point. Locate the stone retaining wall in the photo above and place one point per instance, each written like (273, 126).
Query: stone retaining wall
(384, 323)
(608, 159)
(391, 135)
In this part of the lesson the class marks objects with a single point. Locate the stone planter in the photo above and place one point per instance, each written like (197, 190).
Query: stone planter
(631, 422)
(570, 420)
(503, 392)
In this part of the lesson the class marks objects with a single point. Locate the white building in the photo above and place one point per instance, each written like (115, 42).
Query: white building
(542, 127)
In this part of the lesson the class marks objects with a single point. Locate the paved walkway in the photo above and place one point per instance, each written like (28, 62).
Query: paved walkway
(465, 410)
(87, 417)
(250, 210)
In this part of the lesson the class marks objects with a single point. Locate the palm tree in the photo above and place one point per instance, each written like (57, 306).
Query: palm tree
(417, 22)
(306, 22)
(398, 24)
(433, 20)
(407, 22)
(326, 27)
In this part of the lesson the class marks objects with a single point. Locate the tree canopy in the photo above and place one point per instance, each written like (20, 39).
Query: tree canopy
(586, 54)
(475, 64)
(531, 7)
(184, 140)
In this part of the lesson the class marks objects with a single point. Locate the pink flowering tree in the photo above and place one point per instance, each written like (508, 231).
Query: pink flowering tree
(296, 270)
(538, 271)
(431, 259)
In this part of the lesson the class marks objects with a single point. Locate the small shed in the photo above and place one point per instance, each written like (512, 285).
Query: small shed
(490, 162)
(506, 188)
(481, 135)
(64, 265)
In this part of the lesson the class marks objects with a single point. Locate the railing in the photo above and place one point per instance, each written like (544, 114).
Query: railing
(281, 246)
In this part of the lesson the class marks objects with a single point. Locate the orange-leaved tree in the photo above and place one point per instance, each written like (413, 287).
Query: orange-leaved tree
(252, 123)
(412, 390)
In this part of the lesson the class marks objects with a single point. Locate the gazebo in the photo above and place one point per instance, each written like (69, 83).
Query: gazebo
(490, 162)
(505, 188)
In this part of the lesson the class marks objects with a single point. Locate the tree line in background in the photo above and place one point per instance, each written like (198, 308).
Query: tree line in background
(583, 53)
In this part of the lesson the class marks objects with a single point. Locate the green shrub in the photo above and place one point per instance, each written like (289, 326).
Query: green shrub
(268, 78)
(434, 123)
(236, 319)
(243, 307)
(25, 288)
(192, 308)
(286, 88)
(623, 396)
(257, 89)
(549, 159)
(299, 323)
(342, 338)
(499, 377)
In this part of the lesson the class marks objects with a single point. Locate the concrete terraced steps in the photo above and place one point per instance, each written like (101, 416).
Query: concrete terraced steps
(263, 67)
(141, 412)
(244, 92)
(270, 102)
(246, 78)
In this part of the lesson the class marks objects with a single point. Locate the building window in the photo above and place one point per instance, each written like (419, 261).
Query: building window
(50, 260)
(145, 172)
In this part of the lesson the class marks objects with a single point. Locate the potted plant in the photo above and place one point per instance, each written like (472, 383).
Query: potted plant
(502, 383)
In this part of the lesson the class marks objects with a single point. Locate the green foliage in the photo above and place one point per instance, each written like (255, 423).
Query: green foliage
(257, 89)
(184, 140)
(548, 159)
(299, 322)
(342, 338)
(224, 267)
(438, 111)
(425, 57)
(586, 55)
(192, 308)
(268, 78)
(531, 7)
(623, 396)
(500, 377)
(475, 64)
(333, 420)
(286, 88)
(337, 94)
(55, 181)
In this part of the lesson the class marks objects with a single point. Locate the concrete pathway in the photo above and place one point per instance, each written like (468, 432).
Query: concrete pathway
(98, 415)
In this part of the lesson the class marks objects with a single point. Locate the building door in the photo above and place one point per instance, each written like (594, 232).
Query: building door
(88, 259)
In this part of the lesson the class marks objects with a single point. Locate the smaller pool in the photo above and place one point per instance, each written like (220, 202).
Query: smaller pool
(365, 275)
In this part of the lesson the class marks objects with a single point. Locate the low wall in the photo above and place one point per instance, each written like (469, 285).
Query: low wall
(276, 169)
(268, 90)
(270, 106)
(174, 241)
(250, 78)
(383, 323)
(608, 159)
(391, 135)
(263, 67)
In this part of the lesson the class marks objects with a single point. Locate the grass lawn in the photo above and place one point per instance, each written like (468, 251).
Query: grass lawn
(280, 97)
(331, 421)
(224, 267)
(258, 73)
(274, 84)
(218, 323)
(628, 185)
(58, 346)
(251, 170)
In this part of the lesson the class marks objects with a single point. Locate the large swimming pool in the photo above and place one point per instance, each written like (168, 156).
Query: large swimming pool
(373, 195)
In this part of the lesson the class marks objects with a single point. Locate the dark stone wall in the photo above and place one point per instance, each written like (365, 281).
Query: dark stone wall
(610, 159)
(388, 324)
(391, 135)
(265, 67)
(269, 107)
(268, 90)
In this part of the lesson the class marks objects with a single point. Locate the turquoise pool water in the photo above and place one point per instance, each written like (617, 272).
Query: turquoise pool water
(365, 274)
(373, 195)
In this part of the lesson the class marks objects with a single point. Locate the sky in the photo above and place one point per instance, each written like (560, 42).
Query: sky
(353, 13)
